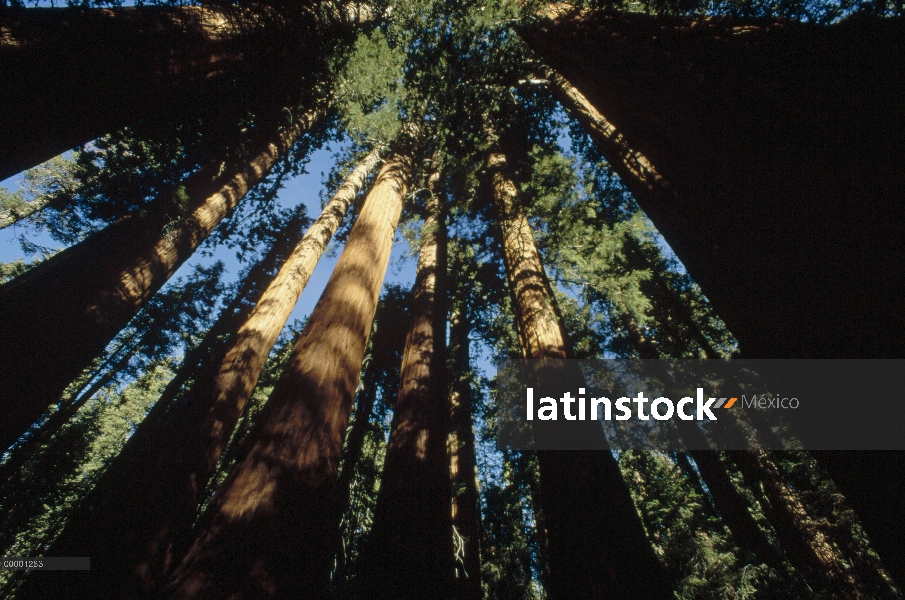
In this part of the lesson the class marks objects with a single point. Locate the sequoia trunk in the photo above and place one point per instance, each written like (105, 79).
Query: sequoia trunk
(270, 533)
(114, 522)
(661, 97)
(411, 518)
(92, 71)
(596, 540)
(62, 314)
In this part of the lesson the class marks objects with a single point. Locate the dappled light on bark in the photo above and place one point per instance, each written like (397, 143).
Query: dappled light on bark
(412, 513)
(270, 533)
(65, 311)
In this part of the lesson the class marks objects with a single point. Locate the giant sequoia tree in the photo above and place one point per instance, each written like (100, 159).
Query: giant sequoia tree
(534, 154)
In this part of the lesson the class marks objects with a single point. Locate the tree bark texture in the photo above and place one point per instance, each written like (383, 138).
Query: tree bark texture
(72, 74)
(410, 550)
(781, 184)
(147, 484)
(270, 532)
(463, 467)
(62, 314)
(167, 490)
(596, 539)
(757, 151)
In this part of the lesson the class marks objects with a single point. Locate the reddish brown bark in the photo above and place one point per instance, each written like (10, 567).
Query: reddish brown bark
(596, 540)
(410, 552)
(117, 521)
(270, 531)
(62, 314)
(806, 541)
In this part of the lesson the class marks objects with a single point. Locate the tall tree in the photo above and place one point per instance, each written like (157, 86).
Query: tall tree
(366, 441)
(169, 484)
(744, 180)
(594, 534)
(64, 312)
(466, 515)
(92, 71)
(269, 533)
(412, 514)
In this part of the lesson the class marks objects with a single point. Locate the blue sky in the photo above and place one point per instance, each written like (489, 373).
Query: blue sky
(305, 188)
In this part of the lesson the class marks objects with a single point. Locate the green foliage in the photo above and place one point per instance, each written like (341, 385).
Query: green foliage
(37, 499)
(11, 270)
(370, 89)
(690, 542)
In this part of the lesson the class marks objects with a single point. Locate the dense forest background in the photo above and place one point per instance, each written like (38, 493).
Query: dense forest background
(171, 414)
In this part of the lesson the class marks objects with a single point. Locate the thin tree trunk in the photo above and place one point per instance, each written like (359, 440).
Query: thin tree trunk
(27, 209)
(270, 532)
(463, 468)
(62, 313)
(597, 543)
(92, 71)
(732, 507)
(411, 518)
(100, 376)
(352, 455)
(116, 523)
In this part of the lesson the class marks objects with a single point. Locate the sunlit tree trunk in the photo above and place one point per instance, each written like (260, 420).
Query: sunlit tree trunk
(410, 551)
(116, 521)
(62, 314)
(597, 544)
(73, 74)
(270, 531)
(165, 492)
(463, 468)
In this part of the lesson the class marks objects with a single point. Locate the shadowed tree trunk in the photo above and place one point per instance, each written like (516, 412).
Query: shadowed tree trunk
(463, 468)
(270, 527)
(92, 71)
(597, 544)
(63, 313)
(154, 520)
(662, 98)
(729, 502)
(410, 551)
(108, 524)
